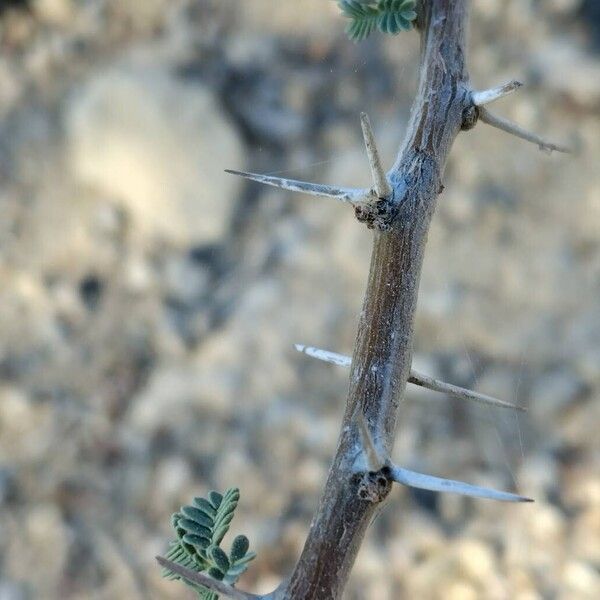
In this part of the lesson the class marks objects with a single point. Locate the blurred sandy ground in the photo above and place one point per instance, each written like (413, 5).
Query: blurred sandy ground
(150, 303)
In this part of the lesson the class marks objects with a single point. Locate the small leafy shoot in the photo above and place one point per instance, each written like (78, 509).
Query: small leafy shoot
(200, 529)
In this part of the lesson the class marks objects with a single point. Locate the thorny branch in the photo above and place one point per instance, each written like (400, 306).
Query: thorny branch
(399, 206)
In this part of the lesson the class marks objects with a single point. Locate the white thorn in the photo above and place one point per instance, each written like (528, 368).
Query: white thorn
(383, 189)
(505, 125)
(374, 459)
(458, 392)
(486, 96)
(437, 484)
(204, 580)
(415, 378)
(325, 355)
(351, 195)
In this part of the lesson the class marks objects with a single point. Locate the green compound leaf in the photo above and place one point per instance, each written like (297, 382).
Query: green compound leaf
(389, 16)
(200, 529)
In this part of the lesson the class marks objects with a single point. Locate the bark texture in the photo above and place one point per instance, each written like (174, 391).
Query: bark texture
(383, 351)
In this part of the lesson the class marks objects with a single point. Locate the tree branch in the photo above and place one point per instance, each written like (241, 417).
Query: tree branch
(400, 208)
(383, 351)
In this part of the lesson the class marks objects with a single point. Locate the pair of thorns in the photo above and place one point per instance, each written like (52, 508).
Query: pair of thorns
(382, 190)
